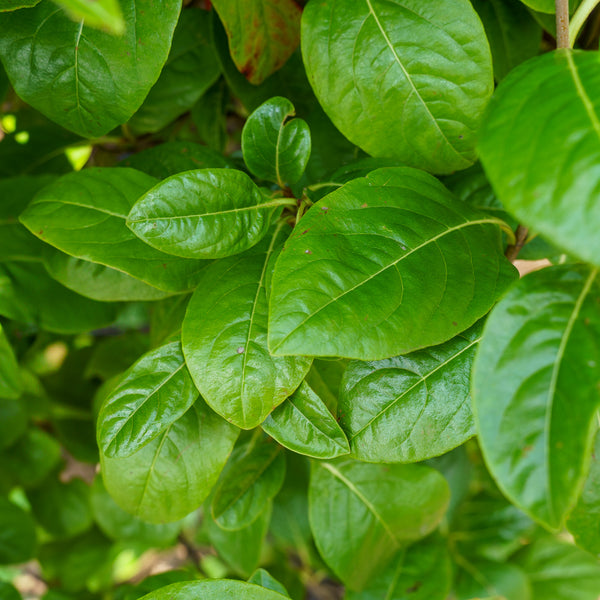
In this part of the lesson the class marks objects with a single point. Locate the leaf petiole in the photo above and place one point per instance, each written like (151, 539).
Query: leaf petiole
(579, 18)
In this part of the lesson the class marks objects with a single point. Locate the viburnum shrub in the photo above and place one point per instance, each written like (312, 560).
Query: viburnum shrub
(262, 332)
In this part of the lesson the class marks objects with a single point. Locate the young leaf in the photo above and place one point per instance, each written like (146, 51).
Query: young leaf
(401, 79)
(190, 70)
(247, 485)
(276, 148)
(264, 579)
(262, 34)
(171, 476)
(17, 534)
(540, 347)
(413, 407)
(544, 168)
(155, 392)
(84, 213)
(208, 213)
(385, 265)
(216, 589)
(362, 514)
(86, 80)
(101, 14)
(224, 339)
(10, 379)
(304, 424)
(422, 571)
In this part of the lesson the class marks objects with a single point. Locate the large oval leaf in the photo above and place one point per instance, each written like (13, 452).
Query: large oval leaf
(304, 424)
(216, 589)
(410, 408)
(385, 265)
(83, 214)
(208, 213)
(542, 160)
(150, 396)
(362, 514)
(401, 78)
(172, 475)
(86, 80)
(224, 340)
(535, 389)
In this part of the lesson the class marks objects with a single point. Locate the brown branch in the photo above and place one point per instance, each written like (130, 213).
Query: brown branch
(520, 239)
(562, 24)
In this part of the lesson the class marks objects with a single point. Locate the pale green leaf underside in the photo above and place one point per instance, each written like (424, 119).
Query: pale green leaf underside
(101, 14)
(539, 350)
(385, 265)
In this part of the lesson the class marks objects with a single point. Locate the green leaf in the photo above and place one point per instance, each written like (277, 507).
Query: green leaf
(325, 378)
(166, 318)
(97, 281)
(171, 158)
(540, 350)
(544, 168)
(120, 525)
(171, 476)
(84, 213)
(6, 5)
(62, 509)
(86, 80)
(101, 14)
(224, 339)
(362, 514)
(385, 265)
(242, 548)
(13, 420)
(216, 589)
(210, 119)
(10, 379)
(9, 592)
(513, 33)
(401, 79)
(155, 392)
(560, 571)
(251, 480)
(495, 580)
(208, 213)
(304, 424)
(275, 147)
(17, 534)
(264, 579)
(413, 407)
(191, 68)
(422, 571)
(262, 34)
(584, 521)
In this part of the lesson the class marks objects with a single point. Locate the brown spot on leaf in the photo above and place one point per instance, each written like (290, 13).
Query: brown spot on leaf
(414, 588)
(365, 205)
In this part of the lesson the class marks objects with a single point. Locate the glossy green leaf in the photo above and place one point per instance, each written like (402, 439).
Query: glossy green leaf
(584, 521)
(266, 580)
(155, 392)
(6, 5)
(10, 379)
(84, 213)
(362, 514)
(540, 347)
(406, 79)
(224, 339)
(216, 589)
(120, 525)
(276, 146)
(171, 158)
(499, 581)
(97, 281)
(241, 548)
(304, 424)
(413, 407)
(544, 168)
(385, 265)
(86, 80)
(13, 420)
(208, 213)
(190, 70)
(62, 509)
(262, 34)
(101, 14)
(422, 571)
(171, 476)
(17, 534)
(251, 480)
(513, 33)
(560, 571)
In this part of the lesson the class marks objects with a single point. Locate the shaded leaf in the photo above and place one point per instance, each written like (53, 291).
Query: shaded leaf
(17, 534)
(494, 580)
(10, 378)
(264, 579)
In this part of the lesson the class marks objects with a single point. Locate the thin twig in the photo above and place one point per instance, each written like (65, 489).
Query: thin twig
(513, 250)
(562, 24)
